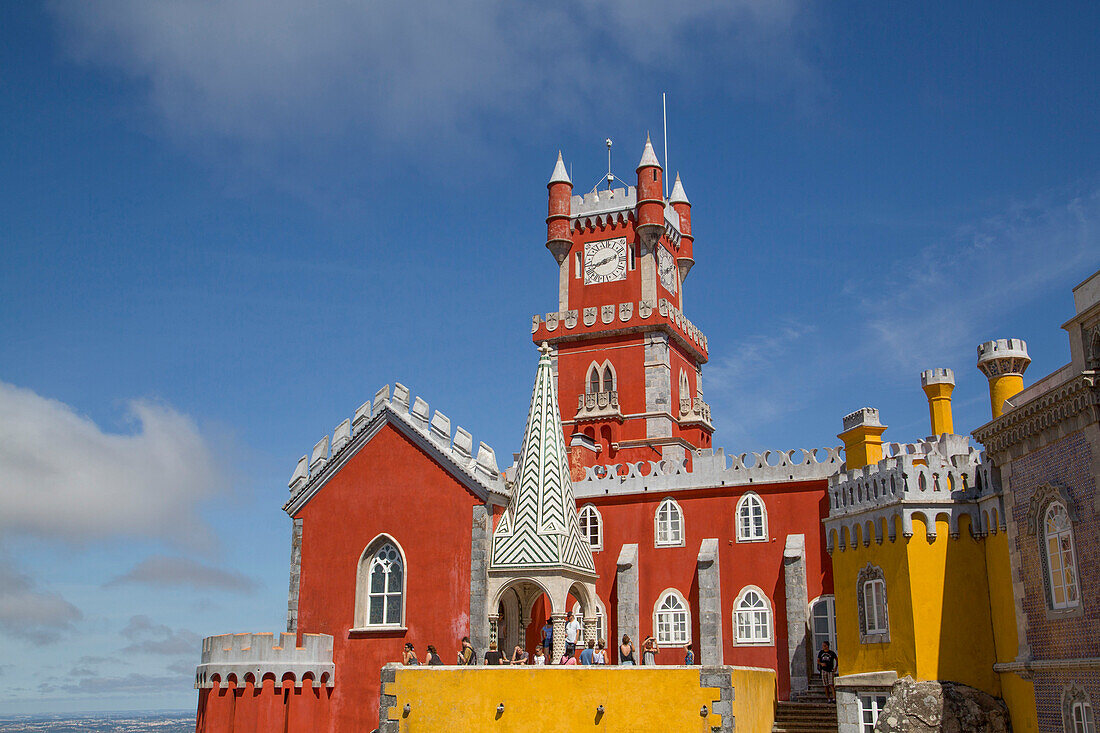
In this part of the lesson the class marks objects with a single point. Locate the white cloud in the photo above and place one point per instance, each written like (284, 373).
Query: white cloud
(268, 69)
(954, 294)
(149, 638)
(65, 478)
(27, 612)
(159, 570)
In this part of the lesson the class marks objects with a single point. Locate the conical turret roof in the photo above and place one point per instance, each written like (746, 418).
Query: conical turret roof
(649, 158)
(560, 175)
(678, 196)
(539, 528)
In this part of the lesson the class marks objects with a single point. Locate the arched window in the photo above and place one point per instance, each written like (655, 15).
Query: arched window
(380, 586)
(672, 620)
(685, 388)
(1061, 561)
(874, 617)
(1077, 714)
(823, 621)
(752, 519)
(670, 524)
(593, 379)
(608, 379)
(591, 526)
(752, 617)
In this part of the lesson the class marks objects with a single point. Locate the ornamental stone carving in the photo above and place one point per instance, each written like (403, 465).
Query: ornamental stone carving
(626, 311)
(607, 313)
(536, 321)
(645, 309)
(551, 321)
(1041, 499)
(570, 318)
(590, 315)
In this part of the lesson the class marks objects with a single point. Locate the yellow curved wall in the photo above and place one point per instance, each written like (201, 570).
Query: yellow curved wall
(1002, 388)
(566, 698)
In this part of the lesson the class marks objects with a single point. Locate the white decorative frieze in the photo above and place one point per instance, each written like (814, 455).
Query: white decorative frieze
(626, 311)
(607, 313)
(240, 658)
(590, 315)
(570, 318)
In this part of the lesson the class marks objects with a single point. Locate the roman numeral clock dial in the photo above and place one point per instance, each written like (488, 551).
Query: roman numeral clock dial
(604, 261)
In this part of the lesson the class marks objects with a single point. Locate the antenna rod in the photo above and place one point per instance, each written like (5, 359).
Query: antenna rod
(610, 175)
(664, 118)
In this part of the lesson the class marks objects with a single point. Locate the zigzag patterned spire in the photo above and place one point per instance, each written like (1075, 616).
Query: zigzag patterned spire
(540, 527)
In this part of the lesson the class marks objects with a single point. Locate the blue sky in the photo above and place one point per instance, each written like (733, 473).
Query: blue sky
(225, 226)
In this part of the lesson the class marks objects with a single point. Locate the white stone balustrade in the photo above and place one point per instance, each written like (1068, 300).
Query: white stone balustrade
(595, 405)
(695, 411)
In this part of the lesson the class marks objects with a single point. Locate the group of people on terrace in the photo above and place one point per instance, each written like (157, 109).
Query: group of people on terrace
(592, 652)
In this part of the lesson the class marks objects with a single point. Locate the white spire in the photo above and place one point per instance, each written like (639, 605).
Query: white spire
(678, 196)
(649, 158)
(560, 175)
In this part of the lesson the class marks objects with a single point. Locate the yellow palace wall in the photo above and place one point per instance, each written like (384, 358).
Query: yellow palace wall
(937, 605)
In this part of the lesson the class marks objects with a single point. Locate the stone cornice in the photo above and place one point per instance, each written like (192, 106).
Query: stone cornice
(1062, 409)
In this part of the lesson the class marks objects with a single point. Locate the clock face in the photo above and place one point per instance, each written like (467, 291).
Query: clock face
(604, 261)
(666, 268)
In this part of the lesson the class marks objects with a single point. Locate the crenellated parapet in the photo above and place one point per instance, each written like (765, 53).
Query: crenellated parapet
(432, 431)
(710, 468)
(243, 658)
(929, 479)
(598, 209)
(626, 318)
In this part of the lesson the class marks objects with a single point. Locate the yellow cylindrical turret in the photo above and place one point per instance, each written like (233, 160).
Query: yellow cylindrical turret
(862, 438)
(938, 385)
(1003, 362)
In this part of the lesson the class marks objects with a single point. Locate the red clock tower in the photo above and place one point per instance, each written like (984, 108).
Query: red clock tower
(628, 363)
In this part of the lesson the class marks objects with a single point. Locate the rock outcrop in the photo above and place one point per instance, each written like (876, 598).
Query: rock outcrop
(941, 707)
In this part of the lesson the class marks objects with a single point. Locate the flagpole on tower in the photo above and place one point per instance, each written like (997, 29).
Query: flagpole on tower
(664, 119)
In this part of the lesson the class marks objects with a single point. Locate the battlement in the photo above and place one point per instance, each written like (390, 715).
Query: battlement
(242, 658)
(929, 478)
(937, 376)
(625, 316)
(862, 416)
(710, 468)
(314, 469)
(1003, 356)
(617, 205)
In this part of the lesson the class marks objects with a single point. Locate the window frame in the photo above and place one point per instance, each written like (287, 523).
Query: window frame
(878, 625)
(658, 612)
(769, 618)
(595, 513)
(872, 704)
(1067, 573)
(363, 593)
(676, 516)
(878, 632)
(742, 504)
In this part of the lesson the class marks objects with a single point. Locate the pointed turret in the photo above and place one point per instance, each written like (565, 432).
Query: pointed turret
(557, 222)
(685, 257)
(540, 528)
(651, 203)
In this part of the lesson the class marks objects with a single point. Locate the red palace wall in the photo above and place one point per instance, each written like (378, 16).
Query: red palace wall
(390, 486)
(791, 509)
(271, 707)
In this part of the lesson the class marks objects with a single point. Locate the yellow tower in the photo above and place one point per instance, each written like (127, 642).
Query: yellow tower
(1003, 362)
(938, 385)
(862, 438)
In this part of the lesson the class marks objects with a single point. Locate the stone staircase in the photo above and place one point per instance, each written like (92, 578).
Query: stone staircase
(810, 713)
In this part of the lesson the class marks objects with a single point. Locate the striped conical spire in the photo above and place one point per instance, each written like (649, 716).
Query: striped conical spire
(540, 529)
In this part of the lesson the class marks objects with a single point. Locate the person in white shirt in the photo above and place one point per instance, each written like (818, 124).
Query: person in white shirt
(540, 656)
(572, 633)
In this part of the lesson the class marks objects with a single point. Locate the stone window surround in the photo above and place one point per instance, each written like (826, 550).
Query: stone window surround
(868, 573)
(741, 504)
(685, 609)
(599, 525)
(362, 586)
(601, 373)
(1074, 695)
(677, 517)
(770, 641)
(1041, 500)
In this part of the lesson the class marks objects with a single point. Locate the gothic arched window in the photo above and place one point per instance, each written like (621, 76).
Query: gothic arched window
(1061, 560)
(752, 519)
(380, 586)
(608, 379)
(874, 613)
(752, 617)
(671, 619)
(670, 524)
(591, 526)
(593, 379)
